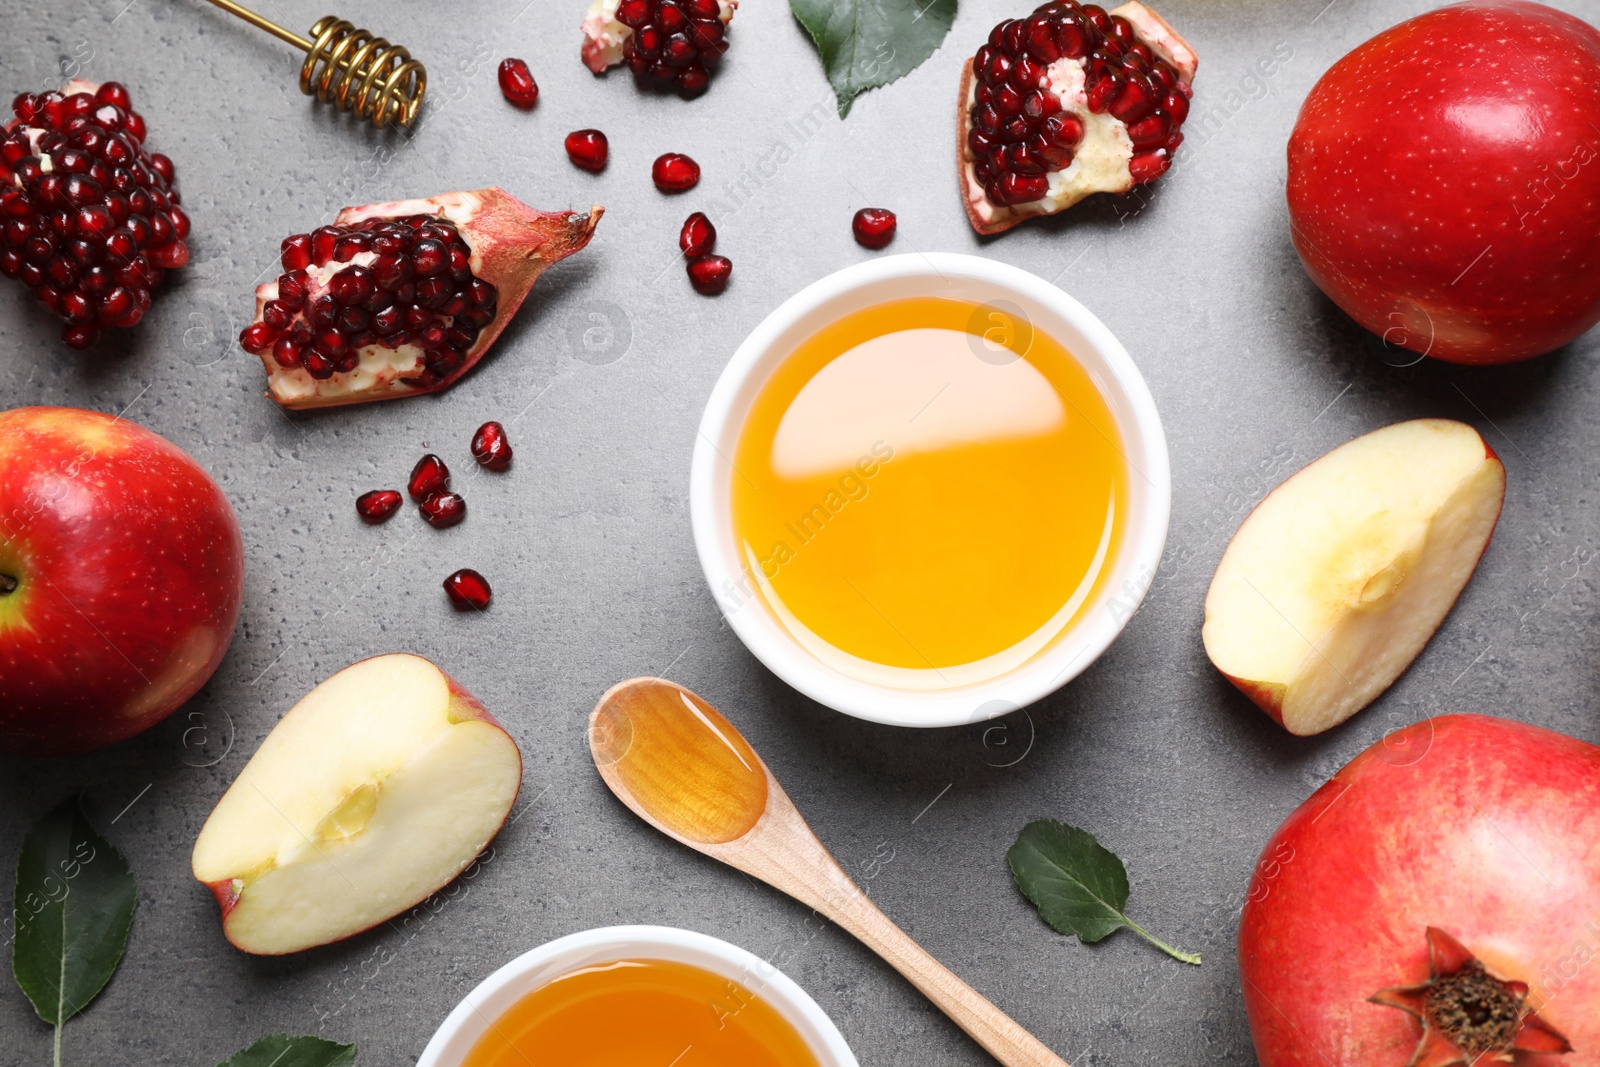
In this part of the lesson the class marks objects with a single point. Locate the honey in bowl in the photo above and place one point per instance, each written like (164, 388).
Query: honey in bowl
(927, 492)
(637, 1012)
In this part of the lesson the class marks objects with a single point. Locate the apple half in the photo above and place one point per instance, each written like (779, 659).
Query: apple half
(375, 790)
(1339, 577)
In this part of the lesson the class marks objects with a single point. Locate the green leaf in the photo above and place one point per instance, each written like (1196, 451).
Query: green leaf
(1079, 886)
(72, 910)
(280, 1050)
(868, 43)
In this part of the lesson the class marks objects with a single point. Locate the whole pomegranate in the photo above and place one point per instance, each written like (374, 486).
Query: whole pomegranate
(1444, 182)
(1437, 902)
(90, 217)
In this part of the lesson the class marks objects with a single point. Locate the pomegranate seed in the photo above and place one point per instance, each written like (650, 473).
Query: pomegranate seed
(468, 590)
(491, 447)
(709, 274)
(517, 84)
(257, 337)
(674, 172)
(297, 252)
(698, 237)
(588, 149)
(443, 510)
(428, 477)
(873, 226)
(378, 505)
(81, 335)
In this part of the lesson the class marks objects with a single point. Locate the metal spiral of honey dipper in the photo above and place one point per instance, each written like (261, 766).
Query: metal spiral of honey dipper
(351, 68)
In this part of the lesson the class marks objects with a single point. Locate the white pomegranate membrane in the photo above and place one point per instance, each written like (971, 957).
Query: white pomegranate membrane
(671, 43)
(382, 298)
(1067, 102)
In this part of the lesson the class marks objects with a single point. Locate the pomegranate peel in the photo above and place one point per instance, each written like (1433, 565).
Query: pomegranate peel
(333, 359)
(1467, 1013)
(1078, 62)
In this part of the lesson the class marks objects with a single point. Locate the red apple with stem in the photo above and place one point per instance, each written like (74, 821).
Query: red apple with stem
(1444, 182)
(121, 577)
(1437, 902)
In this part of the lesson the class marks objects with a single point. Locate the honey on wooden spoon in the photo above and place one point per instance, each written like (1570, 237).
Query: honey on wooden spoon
(685, 770)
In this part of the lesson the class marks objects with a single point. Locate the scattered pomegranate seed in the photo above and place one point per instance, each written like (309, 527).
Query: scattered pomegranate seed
(874, 227)
(588, 149)
(443, 510)
(378, 505)
(468, 590)
(674, 172)
(491, 447)
(428, 477)
(89, 218)
(517, 84)
(698, 237)
(709, 274)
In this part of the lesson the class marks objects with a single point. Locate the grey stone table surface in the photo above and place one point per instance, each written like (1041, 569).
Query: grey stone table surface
(587, 540)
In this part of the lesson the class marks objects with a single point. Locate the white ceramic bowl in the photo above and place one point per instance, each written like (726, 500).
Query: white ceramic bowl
(529, 971)
(882, 697)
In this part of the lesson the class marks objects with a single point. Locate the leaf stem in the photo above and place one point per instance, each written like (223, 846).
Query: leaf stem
(58, 1045)
(1175, 953)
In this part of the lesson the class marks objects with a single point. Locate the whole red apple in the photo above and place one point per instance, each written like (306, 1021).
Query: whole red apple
(121, 575)
(1444, 182)
(1436, 902)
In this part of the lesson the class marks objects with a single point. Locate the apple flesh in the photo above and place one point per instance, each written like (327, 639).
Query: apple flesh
(121, 579)
(375, 790)
(1339, 577)
(1481, 828)
(1444, 182)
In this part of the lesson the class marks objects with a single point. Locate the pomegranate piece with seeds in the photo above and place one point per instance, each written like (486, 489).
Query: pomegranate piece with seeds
(674, 172)
(89, 217)
(588, 149)
(468, 590)
(491, 447)
(698, 237)
(517, 84)
(378, 505)
(1068, 102)
(443, 510)
(403, 298)
(709, 274)
(428, 477)
(669, 43)
(874, 227)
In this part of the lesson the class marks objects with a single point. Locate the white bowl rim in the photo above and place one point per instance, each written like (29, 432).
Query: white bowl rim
(1136, 564)
(465, 1024)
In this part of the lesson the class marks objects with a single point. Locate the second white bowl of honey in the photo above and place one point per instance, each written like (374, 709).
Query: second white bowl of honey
(930, 489)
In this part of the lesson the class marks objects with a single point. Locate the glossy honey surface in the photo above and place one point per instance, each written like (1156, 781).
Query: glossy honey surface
(925, 484)
(680, 760)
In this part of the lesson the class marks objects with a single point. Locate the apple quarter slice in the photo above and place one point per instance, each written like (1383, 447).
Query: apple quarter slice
(1338, 578)
(375, 790)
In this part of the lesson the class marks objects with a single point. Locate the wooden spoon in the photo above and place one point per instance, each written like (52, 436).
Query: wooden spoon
(685, 770)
